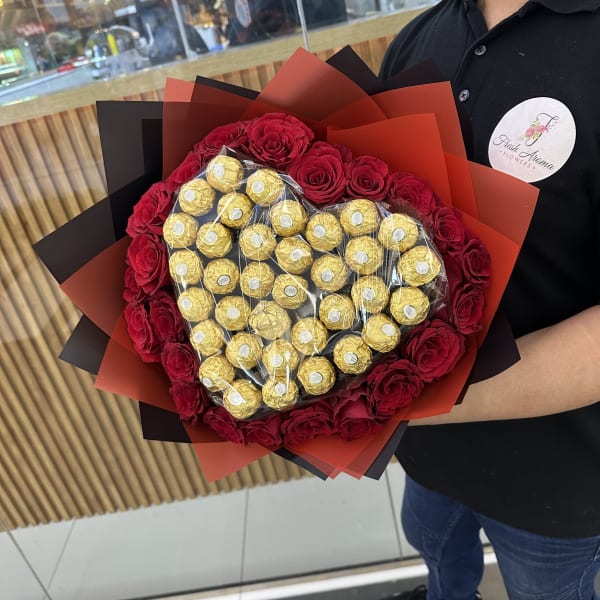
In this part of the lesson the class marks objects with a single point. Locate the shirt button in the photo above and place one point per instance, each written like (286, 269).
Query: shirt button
(480, 50)
(464, 95)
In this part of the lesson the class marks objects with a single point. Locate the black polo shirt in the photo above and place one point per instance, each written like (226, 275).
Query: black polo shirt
(530, 88)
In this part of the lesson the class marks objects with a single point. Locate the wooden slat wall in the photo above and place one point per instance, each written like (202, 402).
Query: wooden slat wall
(66, 449)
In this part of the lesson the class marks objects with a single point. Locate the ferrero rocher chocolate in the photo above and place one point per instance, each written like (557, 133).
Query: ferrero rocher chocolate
(370, 294)
(329, 273)
(280, 393)
(364, 255)
(185, 267)
(234, 209)
(232, 312)
(381, 333)
(195, 304)
(214, 240)
(352, 355)
(409, 305)
(257, 241)
(294, 255)
(215, 373)
(241, 399)
(359, 217)
(257, 280)
(289, 291)
(196, 197)
(398, 232)
(269, 320)
(288, 217)
(207, 337)
(264, 186)
(221, 276)
(225, 173)
(244, 350)
(419, 266)
(324, 232)
(309, 336)
(179, 230)
(337, 312)
(317, 375)
(280, 357)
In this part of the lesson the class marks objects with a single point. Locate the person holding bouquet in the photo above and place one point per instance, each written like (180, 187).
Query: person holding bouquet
(520, 456)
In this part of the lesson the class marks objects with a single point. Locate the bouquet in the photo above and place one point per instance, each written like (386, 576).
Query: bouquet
(310, 271)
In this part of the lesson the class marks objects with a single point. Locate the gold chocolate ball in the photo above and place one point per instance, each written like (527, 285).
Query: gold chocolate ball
(196, 197)
(381, 333)
(232, 313)
(359, 217)
(419, 266)
(364, 255)
(257, 280)
(352, 355)
(235, 210)
(257, 241)
(225, 173)
(264, 186)
(409, 305)
(179, 230)
(207, 337)
(280, 393)
(309, 336)
(324, 232)
(294, 255)
(398, 232)
(221, 276)
(241, 399)
(329, 273)
(370, 294)
(214, 240)
(280, 358)
(215, 373)
(269, 320)
(288, 217)
(289, 291)
(337, 312)
(195, 304)
(244, 350)
(185, 267)
(317, 375)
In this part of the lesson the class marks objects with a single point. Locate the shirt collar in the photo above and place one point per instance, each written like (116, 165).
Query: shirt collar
(568, 6)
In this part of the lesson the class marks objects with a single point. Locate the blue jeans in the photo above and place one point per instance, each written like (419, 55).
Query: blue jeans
(533, 567)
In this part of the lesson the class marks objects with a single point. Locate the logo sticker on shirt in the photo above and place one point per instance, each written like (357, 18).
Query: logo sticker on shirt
(533, 140)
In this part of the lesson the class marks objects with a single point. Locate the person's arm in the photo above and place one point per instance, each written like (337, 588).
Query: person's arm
(559, 370)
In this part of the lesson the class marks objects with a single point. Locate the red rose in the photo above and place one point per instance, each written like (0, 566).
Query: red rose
(468, 303)
(192, 164)
(141, 333)
(132, 292)
(266, 431)
(189, 400)
(277, 139)
(393, 384)
(179, 362)
(165, 318)
(434, 348)
(448, 228)
(320, 173)
(475, 261)
(345, 152)
(150, 213)
(220, 421)
(367, 178)
(306, 423)
(407, 188)
(232, 135)
(356, 420)
(147, 256)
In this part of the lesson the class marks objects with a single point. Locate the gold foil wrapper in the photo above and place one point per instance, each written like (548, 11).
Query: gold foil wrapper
(225, 173)
(370, 294)
(207, 337)
(257, 280)
(294, 255)
(409, 305)
(216, 373)
(185, 267)
(214, 240)
(288, 217)
(280, 394)
(280, 358)
(364, 255)
(419, 266)
(195, 304)
(244, 350)
(309, 336)
(234, 210)
(196, 197)
(264, 187)
(269, 320)
(398, 232)
(242, 399)
(289, 291)
(179, 230)
(257, 241)
(221, 276)
(337, 312)
(351, 355)
(232, 313)
(329, 273)
(359, 217)
(324, 232)
(317, 375)
(381, 333)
